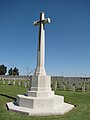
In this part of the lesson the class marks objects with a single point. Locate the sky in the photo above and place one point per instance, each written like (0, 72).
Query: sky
(67, 37)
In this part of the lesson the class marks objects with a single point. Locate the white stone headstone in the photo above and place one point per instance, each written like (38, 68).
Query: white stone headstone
(19, 83)
(14, 83)
(73, 88)
(88, 87)
(28, 83)
(9, 82)
(25, 84)
(83, 88)
(3, 82)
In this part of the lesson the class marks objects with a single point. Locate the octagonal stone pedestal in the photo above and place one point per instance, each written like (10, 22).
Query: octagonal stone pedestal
(40, 103)
(40, 100)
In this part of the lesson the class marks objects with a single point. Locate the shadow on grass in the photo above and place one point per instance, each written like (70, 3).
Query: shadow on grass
(8, 96)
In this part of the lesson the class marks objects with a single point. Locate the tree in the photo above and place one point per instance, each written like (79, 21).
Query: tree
(28, 70)
(10, 72)
(3, 69)
(14, 71)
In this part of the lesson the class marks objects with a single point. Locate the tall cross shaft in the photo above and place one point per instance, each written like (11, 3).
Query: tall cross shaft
(40, 69)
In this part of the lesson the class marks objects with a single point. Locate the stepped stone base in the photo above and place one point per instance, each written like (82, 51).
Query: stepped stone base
(40, 100)
(40, 103)
(62, 109)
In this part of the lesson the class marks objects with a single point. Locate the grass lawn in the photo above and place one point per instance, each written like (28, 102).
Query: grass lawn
(80, 99)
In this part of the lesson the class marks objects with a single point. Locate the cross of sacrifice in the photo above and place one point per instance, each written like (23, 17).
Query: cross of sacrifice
(40, 70)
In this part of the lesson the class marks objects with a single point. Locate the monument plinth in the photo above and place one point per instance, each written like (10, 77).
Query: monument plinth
(40, 99)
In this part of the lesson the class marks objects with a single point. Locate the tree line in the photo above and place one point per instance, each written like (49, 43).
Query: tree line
(11, 71)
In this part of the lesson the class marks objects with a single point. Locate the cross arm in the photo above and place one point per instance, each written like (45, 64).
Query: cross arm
(36, 23)
(47, 20)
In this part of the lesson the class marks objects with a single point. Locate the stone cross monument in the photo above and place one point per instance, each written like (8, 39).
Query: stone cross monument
(40, 99)
(40, 70)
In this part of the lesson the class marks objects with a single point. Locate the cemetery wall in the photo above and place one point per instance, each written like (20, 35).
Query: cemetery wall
(71, 79)
(14, 77)
(58, 78)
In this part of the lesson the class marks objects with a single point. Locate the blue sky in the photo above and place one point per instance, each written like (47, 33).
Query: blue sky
(67, 36)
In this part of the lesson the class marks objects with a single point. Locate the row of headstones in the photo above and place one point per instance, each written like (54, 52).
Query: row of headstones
(55, 85)
(16, 82)
(70, 86)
